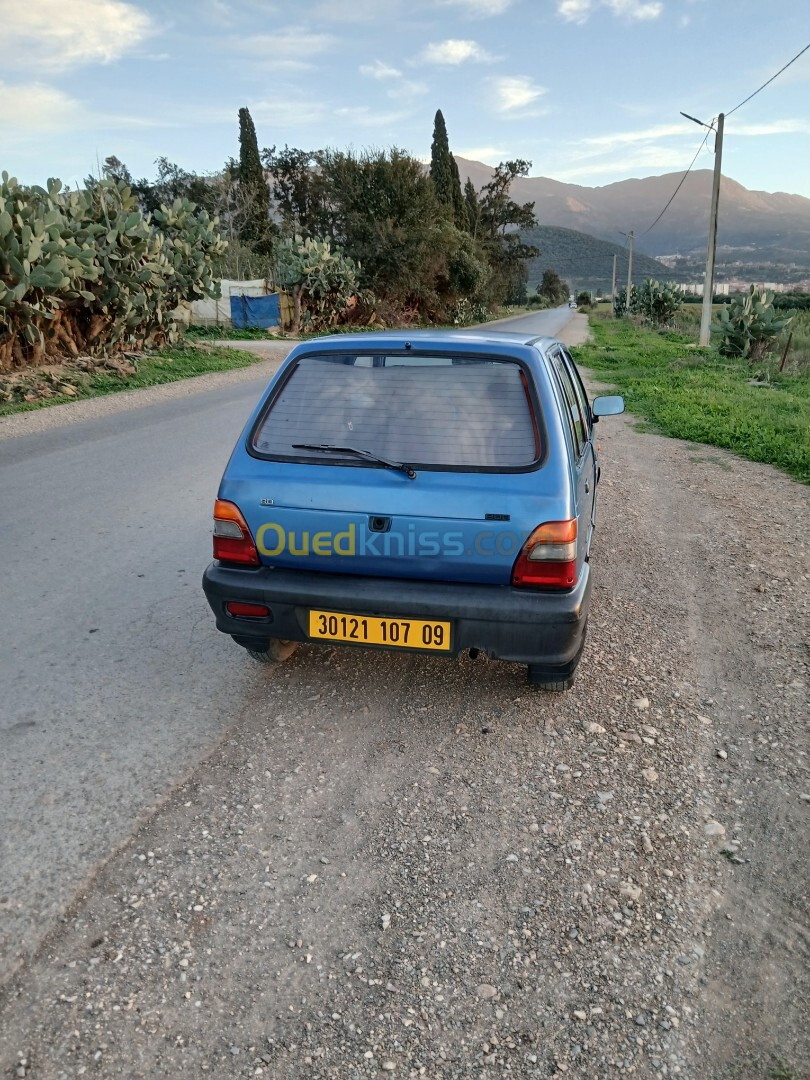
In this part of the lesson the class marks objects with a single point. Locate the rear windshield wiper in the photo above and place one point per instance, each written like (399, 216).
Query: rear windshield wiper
(329, 448)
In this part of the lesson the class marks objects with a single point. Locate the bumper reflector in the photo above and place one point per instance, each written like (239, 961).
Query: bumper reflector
(246, 611)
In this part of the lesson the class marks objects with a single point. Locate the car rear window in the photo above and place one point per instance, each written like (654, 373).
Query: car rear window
(426, 410)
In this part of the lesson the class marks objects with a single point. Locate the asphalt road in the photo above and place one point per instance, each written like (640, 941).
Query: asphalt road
(545, 323)
(114, 680)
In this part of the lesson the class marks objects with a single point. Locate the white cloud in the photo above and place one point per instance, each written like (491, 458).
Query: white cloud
(38, 110)
(355, 11)
(515, 93)
(775, 127)
(380, 70)
(365, 116)
(639, 10)
(59, 34)
(654, 159)
(643, 135)
(481, 8)
(579, 11)
(453, 52)
(598, 143)
(400, 89)
(574, 10)
(285, 111)
(489, 155)
(287, 49)
(660, 148)
(405, 89)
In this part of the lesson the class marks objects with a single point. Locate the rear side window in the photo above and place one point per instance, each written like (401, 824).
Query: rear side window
(575, 416)
(426, 410)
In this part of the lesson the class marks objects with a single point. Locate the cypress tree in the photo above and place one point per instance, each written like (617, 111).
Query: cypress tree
(255, 230)
(459, 205)
(441, 167)
(472, 206)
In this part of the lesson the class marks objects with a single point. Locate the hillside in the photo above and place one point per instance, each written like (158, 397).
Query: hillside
(754, 226)
(586, 262)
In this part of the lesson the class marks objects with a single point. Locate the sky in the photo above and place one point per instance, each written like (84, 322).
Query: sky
(589, 91)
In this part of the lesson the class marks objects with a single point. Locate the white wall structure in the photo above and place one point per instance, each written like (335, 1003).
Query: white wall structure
(209, 312)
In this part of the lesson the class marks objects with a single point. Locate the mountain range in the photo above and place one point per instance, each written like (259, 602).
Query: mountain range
(754, 227)
(586, 262)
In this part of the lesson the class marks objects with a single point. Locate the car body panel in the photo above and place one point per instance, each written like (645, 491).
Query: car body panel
(441, 545)
(290, 503)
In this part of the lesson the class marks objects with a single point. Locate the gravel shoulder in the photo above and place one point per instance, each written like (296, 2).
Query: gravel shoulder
(413, 866)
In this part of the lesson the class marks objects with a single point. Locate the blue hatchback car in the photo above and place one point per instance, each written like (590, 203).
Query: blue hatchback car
(427, 491)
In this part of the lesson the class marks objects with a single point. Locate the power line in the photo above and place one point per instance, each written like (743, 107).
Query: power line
(710, 128)
(680, 185)
(779, 72)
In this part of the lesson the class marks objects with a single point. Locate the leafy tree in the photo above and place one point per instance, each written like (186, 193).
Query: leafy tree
(499, 218)
(114, 169)
(498, 211)
(383, 212)
(583, 299)
(298, 189)
(553, 288)
(256, 229)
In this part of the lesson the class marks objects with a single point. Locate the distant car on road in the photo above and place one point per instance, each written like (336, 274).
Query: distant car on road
(421, 491)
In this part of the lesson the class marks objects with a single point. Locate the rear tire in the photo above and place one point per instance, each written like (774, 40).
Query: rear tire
(551, 687)
(277, 651)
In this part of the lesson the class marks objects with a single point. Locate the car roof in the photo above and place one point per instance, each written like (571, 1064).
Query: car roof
(378, 341)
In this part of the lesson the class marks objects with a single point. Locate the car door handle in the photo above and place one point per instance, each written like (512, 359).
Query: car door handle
(587, 487)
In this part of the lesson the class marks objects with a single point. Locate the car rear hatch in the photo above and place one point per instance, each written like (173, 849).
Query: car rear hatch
(467, 429)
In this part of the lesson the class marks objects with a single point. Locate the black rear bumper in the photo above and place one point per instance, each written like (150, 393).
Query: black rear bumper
(529, 627)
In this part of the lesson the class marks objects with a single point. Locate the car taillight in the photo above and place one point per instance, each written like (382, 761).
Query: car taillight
(232, 540)
(246, 611)
(548, 559)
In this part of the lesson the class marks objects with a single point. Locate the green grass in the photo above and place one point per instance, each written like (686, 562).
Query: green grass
(691, 393)
(168, 365)
(226, 333)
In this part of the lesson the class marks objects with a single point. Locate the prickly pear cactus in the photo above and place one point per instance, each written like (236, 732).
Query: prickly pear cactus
(750, 326)
(86, 272)
(320, 279)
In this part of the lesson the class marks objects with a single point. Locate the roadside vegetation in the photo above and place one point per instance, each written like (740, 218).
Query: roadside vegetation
(75, 380)
(698, 394)
(361, 239)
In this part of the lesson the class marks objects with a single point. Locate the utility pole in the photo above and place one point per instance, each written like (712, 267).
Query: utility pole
(629, 267)
(629, 236)
(613, 290)
(708, 283)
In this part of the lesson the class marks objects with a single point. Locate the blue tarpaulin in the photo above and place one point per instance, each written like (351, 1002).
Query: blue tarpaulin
(260, 311)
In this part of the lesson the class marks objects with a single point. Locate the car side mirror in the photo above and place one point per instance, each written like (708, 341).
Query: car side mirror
(610, 405)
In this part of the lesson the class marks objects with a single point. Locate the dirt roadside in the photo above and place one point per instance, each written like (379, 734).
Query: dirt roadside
(410, 866)
(76, 412)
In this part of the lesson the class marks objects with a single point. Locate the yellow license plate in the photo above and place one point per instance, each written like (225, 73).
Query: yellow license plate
(370, 630)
